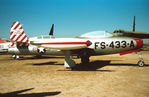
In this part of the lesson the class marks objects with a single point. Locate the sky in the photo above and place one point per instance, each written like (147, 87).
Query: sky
(73, 17)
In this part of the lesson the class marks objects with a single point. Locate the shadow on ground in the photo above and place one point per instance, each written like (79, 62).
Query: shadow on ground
(92, 66)
(18, 94)
(46, 63)
(41, 57)
(96, 65)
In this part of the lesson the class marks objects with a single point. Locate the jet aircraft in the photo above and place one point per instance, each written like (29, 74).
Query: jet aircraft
(83, 46)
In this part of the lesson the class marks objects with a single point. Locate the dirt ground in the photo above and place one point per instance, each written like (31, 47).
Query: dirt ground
(105, 76)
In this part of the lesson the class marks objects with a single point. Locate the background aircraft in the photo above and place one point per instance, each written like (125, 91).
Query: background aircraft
(83, 46)
(16, 52)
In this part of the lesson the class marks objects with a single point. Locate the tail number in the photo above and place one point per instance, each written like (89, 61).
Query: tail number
(114, 44)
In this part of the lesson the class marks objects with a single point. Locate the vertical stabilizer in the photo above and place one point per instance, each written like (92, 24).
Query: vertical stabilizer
(52, 30)
(17, 33)
(134, 24)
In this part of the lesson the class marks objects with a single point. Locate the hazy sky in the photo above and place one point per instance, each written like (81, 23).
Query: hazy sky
(73, 17)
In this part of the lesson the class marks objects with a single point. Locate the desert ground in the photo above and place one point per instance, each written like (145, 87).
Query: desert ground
(105, 76)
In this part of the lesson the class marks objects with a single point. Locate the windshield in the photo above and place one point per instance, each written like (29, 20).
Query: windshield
(97, 34)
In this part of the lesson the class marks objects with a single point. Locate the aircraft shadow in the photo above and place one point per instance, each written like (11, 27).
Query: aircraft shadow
(96, 65)
(17, 94)
(42, 57)
(92, 66)
(47, 63)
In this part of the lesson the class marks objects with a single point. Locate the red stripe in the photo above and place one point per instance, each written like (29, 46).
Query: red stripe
(26, 41)
(13, 37)
(139, 42)
(61, 43)
(23, 38)
(17, 26)
(131, 51)
(20, 36)
(11, 33)
(13, 24)
(12, 44)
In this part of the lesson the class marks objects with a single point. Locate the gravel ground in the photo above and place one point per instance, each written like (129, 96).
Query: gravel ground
(105, 76)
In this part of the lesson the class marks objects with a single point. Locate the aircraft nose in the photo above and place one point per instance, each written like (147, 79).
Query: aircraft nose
(139, 42)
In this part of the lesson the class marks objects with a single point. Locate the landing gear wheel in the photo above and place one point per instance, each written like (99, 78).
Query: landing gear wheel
(17, 57)
(13, 56)
(141, 63)
(85, 60)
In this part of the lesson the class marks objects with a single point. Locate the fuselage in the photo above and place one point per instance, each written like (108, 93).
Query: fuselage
(101, 45)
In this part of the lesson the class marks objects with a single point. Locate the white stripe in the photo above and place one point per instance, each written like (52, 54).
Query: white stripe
(18, 28)
(24, 40)
(12, 35)
(21, 30)
(17, 35)
(12, 28)
(21, 37)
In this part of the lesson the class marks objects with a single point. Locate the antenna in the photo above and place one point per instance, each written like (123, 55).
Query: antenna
(52, 30)
(134, 24)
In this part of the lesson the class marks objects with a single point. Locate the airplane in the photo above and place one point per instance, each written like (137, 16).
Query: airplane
(10, 47)
(4, 46)
(83, 46)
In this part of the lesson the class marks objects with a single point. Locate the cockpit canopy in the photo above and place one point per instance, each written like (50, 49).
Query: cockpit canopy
(97, 34)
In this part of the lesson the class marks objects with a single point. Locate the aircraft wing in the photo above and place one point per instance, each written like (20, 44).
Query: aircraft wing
(141, 35)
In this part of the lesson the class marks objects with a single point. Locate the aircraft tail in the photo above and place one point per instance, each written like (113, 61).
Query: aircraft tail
(17, 33)
(134, 24)
(52, 30)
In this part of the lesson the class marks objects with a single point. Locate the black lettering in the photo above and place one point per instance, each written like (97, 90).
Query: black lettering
(103, 46)
(132, 44)
(96, 45)
(124, 44)
(117, 44)
(111, 44)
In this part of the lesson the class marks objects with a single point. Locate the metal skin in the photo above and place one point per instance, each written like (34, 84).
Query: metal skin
(32, 50)
(4, 47)
(84, 47)
(101, 46)
(91, 47)
(113, 45)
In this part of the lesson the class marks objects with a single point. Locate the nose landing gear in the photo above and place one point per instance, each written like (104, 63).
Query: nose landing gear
(141, 61)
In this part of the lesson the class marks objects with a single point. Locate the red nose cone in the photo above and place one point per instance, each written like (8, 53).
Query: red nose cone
(139, 42)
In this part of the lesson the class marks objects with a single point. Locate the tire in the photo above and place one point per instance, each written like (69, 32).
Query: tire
(85, 60)
(17, 57)
(141, 63)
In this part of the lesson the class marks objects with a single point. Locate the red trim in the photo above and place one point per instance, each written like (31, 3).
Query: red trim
(131, 51)
(13, 24)
(26, 41)
(139, 42)
(12, 44)
(23, 38)
(13, 37)
(2, 41)
(17, 26)
(19, 36)
(63, 43)
(11, 33)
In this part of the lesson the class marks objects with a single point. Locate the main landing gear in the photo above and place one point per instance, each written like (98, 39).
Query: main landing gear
(85, 59)
(69, 63)
(141, 61)
(16, 57)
